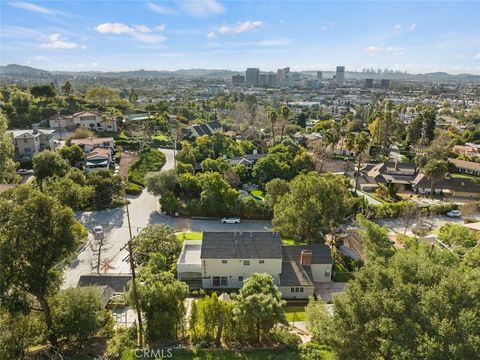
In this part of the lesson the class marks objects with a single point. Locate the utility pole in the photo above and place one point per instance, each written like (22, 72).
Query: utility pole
(134, 284)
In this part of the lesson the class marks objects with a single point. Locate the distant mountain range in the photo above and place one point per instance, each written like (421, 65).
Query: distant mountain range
(15, 70)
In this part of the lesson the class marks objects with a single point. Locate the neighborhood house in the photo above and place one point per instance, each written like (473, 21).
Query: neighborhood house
(93, 120)
(226, 259)
(29, 142)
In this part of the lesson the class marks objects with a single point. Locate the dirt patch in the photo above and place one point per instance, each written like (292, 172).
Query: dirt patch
(127, 159)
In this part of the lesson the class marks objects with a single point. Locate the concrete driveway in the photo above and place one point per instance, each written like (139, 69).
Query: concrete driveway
(143, 211)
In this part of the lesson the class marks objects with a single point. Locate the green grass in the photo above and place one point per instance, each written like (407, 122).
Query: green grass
(190, 235)
(150, 160)
(284, 354)
(465, 176)
(287, 241)
(295, 313)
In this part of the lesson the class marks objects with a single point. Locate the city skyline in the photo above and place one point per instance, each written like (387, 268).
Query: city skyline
(103, 36)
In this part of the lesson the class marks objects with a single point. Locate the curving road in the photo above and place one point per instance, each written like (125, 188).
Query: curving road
(143, 211)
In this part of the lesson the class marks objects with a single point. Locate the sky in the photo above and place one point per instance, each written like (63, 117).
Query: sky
(94, 35)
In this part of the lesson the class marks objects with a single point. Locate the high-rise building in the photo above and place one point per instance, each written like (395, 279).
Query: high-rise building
(340, 75)
(238, 79)
(252, 76)
(319, 75)
(385, 83)
(272, 80)
(262, 81)
(282, 74)
(369, 83)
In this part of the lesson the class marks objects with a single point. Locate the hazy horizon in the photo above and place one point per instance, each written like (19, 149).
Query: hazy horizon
(418, 37)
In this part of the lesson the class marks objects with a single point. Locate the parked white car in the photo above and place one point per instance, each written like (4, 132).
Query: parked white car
(454, 214)
(24, 172)
(97, 230)
(231, 220)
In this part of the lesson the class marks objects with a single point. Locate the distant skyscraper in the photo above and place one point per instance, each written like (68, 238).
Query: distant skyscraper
(282, 74)
(369, 83)
(238, 79)
(319, 75)
(385, 83)
(340, 75)
(272, 80)
(252, 76)
(263, 80)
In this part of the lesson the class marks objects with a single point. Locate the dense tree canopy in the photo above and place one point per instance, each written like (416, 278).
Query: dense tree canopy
(306, 212)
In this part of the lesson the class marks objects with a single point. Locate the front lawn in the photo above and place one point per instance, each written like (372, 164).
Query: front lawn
(150, 160)
(190, 235)
(295, 313)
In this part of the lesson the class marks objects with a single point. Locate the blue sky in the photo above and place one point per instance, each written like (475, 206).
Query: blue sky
(306, 35)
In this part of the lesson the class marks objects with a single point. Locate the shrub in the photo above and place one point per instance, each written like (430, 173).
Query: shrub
(150, 160)
(133, 189)
(443, 208)
(390, 210)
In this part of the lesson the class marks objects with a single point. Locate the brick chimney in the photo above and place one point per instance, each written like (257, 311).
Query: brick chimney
(306, 257)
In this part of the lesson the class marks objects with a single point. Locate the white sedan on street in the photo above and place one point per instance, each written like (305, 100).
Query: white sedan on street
(231, 220)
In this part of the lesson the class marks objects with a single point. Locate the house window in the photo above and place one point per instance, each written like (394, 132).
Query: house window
(223, 281)
(240, 278)
(296, 289)
(224, 261)
(327, 272)
(246, 262)
(220, 281)
(25, 140)
(261, 261)
(27, 150)
(216, 281)
(301, 289)
(292, 290)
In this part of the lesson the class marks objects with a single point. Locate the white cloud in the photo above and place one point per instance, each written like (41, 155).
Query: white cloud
(142, 28)
(202, 8)
(160, 9)
(477, 56)
(274, 42)
(114, 28)
(140, 32)
(398, 27)
(149, 38)
(32, 7)
(211, 35)
(376, 50)
(240, 27)
(413, 27)
(56, 41)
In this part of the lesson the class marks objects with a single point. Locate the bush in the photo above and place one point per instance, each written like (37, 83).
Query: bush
(314, 351)
(443, 208)
(162, 140)
(390, 211)
(133, 189)
(150, 160)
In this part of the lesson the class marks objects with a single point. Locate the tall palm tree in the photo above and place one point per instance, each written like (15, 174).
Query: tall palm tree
(435, 170)
(362, 140)
(349, 142)
(285, 112)
(273, 117)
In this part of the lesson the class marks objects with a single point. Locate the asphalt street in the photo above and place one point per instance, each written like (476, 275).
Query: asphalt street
(143, 211)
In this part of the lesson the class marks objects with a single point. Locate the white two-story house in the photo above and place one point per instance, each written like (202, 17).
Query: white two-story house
(93, 120)
(223, 260)
(30, 141)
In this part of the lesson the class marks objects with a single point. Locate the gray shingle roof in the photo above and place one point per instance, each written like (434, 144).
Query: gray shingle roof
(117, 282)
(320, 253)
(241, 245)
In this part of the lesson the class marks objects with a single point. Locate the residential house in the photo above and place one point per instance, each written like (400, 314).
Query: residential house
(98, 152)
(30, 141)
(466, 167)
(402, 174)
(90, 143)
(93, 120)
(98, 159)
(223, 260)
(470, 150)
(197, 130)
(448, 186)
(248, 160)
